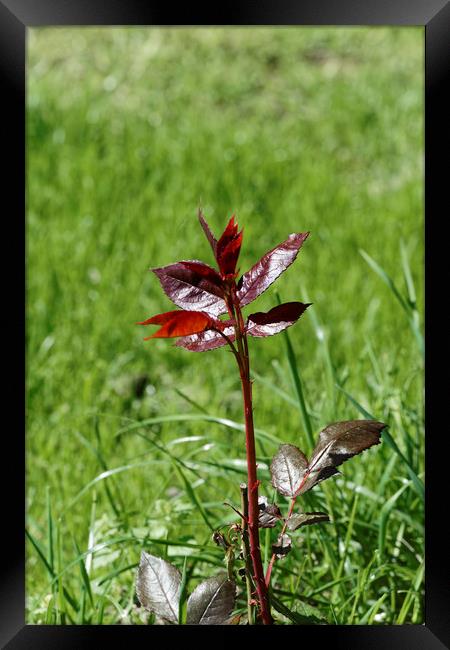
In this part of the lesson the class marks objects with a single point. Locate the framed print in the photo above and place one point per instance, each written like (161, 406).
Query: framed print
(279, 171)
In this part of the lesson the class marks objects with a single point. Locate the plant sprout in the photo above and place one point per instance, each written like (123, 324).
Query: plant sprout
(210, 316)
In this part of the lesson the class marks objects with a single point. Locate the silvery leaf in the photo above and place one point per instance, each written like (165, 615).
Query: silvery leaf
(282, 546)
(269, 513)
(337, 443)
(315, 477)
(158, 587)
(211, 602)
(287, 469)
(342, 440)
(306, 519)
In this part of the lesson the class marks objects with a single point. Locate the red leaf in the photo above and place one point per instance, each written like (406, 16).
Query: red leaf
(205, 341)
(179, 323)
(269, 268)
(200, 268)
(228, 235)
(276, 320)
(228, 248)
(229, 256)
(193, 286)
(206, 229)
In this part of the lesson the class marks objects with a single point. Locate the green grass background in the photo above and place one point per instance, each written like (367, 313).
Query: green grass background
(129, 130)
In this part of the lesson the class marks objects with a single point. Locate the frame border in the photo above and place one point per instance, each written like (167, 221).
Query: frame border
(434, 15)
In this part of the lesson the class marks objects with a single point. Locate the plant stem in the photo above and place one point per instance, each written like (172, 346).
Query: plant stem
(246, 552)
(283, 530)
(253, 508)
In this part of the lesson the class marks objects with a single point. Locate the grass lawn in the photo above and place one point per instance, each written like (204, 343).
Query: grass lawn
(129, 130)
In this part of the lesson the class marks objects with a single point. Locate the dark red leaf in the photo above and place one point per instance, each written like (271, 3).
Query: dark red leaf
(205, 341)
(179, 323)
(287, 469)
(276, 320)
(269, 513)
(269, 268)
(206, 229)
(228, 248)
(211, 602)
(337, 443)
(306, 519)
(292, 474)
(229, 256)
(316, 477)
(192, 289)
(205, 271)
(227, 236)
(282, 546)
(158, 587)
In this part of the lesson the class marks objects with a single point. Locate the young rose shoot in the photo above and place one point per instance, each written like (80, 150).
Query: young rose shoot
(203, 294)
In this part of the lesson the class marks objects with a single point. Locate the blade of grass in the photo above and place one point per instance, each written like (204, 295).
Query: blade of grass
(295, 372)
(190, 401)
(83, 572)
(384, 516)
(230, 424)
(406, 306)
(418, 484)
(193, 497)
(183, 594)
(275, 389)
(49, 530)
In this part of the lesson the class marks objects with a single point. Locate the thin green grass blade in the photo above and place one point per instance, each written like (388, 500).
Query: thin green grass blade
(193, 497)
(229, 424)
(386, 279)
(298, 385)
(41, 553)
(183, 595)
(42, 556)
(411, 594)
(83, 572)
(49, 529)
(404, 303)
(369, 618)
(275, 389)
(105, 475)
(191, 401)
(103, 465)
(384, 516)
(418, 484)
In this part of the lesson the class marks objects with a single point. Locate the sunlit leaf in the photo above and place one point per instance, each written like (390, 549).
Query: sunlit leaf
(207, 230)
(190, 289)
(204, 341)
(298, 520)
(314, 478)
(287, 469)
(291, 472)
(205, 271)
(299, 612)
(269, 513)
(212, 602)
(337, 443)
(282, 546)
(269, 268)
(158, 586)
(276, 320)
(179, 323)
(228, 248)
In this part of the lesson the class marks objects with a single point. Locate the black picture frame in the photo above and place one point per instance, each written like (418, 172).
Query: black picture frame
(15, 17)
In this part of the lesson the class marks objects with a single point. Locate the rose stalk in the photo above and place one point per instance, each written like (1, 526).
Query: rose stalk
(203, 295)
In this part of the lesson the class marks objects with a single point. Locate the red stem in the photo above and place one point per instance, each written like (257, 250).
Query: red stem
(253, 508)
(291, 508)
